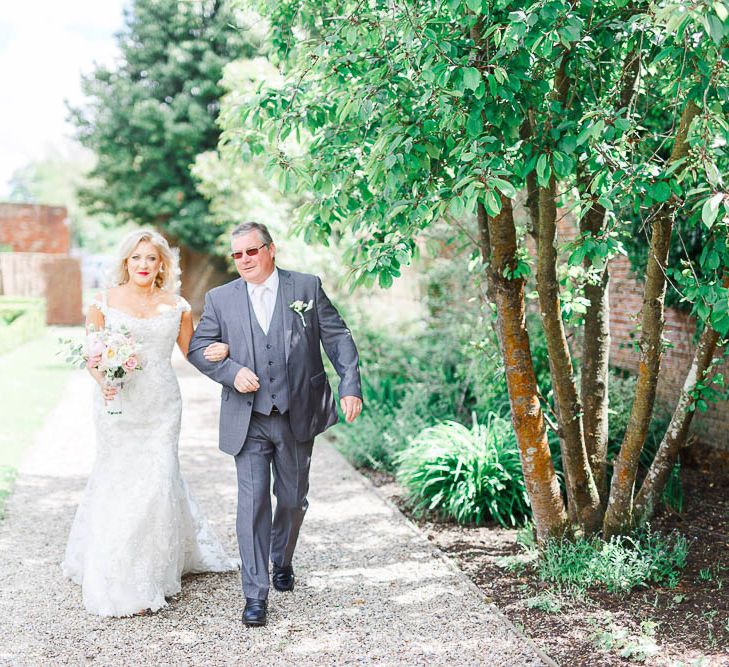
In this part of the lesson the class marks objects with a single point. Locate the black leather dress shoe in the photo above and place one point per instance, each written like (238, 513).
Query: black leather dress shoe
(283, 578)
(255, 612)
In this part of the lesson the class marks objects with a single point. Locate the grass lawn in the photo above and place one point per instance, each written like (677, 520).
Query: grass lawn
(32, 378)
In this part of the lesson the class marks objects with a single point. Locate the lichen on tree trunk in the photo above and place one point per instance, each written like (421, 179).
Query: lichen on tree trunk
(498, 239)
(595, 358)
(677, 432)
(619, 513)
(581, 490)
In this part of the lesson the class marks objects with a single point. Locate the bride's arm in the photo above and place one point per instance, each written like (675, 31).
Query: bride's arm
(95, 321)
(213, 352)
(183, 340)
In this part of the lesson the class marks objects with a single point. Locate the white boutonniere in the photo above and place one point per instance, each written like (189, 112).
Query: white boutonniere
(299, 307)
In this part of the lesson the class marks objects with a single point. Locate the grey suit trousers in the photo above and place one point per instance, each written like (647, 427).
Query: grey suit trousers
(270, 444)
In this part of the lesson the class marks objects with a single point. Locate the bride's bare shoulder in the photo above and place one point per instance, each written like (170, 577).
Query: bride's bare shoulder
(103, 296)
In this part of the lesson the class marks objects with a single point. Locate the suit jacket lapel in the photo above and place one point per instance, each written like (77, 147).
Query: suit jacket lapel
(287, 292)
(245, 313)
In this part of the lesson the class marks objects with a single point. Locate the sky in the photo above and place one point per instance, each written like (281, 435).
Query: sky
(45, 47)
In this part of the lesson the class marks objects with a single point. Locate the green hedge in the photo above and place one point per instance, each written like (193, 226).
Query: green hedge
(21, 320)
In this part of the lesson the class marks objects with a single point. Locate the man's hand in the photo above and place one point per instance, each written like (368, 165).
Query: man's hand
(246, 381)
(351, 407)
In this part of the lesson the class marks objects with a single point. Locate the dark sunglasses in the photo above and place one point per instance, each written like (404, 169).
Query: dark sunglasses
(251, 252)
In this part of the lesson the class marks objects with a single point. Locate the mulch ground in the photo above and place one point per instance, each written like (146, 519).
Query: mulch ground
(685, 625)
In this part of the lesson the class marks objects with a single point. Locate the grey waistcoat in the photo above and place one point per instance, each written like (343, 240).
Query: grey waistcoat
(270, 359)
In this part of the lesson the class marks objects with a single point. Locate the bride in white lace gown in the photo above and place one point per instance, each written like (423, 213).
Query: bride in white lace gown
(137, 529)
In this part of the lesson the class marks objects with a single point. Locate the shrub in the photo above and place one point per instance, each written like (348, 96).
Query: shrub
(469, 475)
(408, 383)
(22, 320)
(382, 430)
(546, 602)
(621, 564)
(397, 404)
(9, 316)
(446, 367)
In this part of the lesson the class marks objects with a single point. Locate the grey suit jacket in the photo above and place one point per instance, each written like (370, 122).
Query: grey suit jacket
(312, 408)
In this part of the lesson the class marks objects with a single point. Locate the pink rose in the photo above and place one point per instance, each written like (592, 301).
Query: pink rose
(94, 347)
(130, 364)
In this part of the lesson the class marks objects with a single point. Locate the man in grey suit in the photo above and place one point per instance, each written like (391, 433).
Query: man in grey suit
(275, 399)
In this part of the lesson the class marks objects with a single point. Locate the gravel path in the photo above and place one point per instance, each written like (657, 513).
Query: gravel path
(370, 589)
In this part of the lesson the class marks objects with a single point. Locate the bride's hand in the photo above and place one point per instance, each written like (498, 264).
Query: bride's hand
(107, 391)
(216, 351)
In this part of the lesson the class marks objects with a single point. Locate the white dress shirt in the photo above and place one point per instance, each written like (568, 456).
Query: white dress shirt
(263, 299)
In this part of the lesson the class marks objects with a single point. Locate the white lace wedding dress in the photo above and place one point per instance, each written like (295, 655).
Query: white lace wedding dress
(137, 530)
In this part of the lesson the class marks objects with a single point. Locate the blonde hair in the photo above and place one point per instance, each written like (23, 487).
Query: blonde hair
(169, 269)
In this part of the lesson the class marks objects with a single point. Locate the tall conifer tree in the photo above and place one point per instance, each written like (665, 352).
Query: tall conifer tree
(149, 116)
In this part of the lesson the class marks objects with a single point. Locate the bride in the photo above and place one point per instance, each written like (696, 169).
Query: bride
(137, 530)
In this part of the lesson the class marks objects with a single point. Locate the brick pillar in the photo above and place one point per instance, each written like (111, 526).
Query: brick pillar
(62, 277)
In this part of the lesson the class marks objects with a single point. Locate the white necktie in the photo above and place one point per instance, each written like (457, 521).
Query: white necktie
(260, 306)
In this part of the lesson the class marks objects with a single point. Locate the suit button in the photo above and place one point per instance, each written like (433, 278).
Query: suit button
(273, 395)
(250, 402)
(270, 363)
(268, 346)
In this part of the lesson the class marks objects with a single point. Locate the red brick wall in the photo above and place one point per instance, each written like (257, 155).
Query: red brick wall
(57, 278)
(63, 290)
(39, 265)
(626, 300)
(21, 274)
(34, 228)
(626, 295)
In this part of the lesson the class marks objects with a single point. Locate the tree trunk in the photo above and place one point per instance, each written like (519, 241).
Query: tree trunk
(596, 343)
(201, 272)
(499, 245)
(532, 200)
(595, 357)
(618, 517)
(677, 431)
(582, 495)
(485, 248)
(629, 78)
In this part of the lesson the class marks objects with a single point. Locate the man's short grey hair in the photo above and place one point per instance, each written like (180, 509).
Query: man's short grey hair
(246, 227)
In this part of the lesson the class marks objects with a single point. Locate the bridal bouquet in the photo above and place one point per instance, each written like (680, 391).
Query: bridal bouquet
(113, 352)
